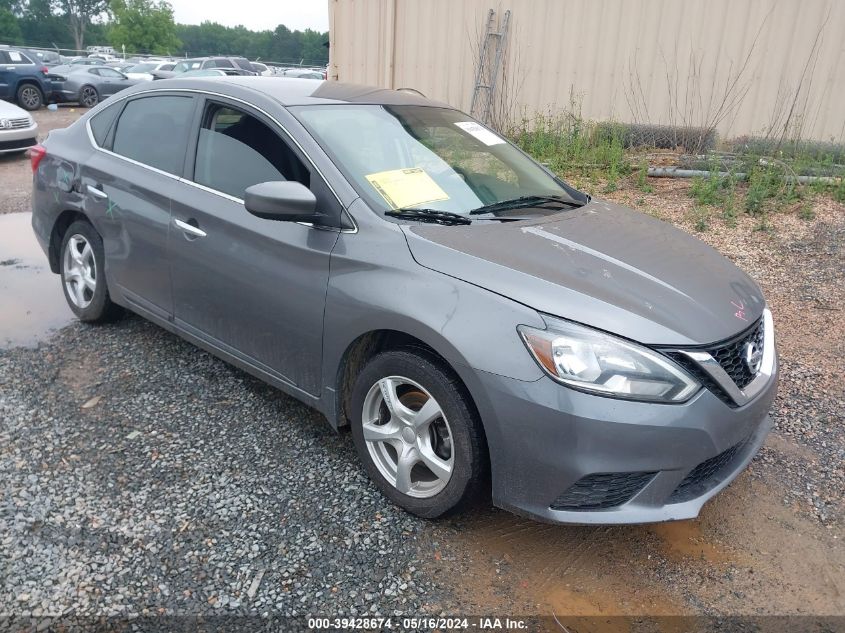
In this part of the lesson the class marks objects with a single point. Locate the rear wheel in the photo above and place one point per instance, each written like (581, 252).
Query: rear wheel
(88, 96)
(417, 434)
(82, 268)
(29, 97)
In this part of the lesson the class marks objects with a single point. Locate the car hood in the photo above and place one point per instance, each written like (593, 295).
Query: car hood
(11, 111)
(603, 265)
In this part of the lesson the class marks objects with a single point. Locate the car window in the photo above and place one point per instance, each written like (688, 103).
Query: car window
(166, 67)
(245, 63)
(101, 124)
(221, 63)
(94, 71)
(154, 130)
(108, 72)
(235, 151)
(16, 57)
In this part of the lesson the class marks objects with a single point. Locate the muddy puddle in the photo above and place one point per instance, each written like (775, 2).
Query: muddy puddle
(747, 554)
(33, 305)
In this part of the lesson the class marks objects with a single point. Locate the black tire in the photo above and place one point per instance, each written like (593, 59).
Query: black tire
(29, 97)
(88, 96)
(468, 483)
(99, 307)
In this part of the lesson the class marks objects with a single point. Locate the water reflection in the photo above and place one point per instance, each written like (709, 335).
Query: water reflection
(32, 305)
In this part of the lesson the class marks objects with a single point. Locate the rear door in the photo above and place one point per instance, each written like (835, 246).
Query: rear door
(252, 287)
(128, 184)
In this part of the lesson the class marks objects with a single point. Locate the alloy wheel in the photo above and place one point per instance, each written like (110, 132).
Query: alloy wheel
(30, 97)
(89, 97)
(408, 437)
(80, 271)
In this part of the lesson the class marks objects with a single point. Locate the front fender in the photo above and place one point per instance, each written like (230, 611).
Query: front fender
(375, 284)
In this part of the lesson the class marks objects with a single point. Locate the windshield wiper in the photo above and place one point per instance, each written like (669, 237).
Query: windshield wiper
(521, 203)
(430, 215)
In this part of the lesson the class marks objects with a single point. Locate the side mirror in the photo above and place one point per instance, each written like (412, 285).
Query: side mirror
(286, 201)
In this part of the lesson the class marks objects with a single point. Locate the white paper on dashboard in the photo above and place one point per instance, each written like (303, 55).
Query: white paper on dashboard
(481, 133)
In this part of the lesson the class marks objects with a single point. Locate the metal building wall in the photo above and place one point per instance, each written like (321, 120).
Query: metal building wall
(658, 61)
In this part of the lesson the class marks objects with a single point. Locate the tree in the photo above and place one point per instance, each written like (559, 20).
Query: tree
(79, 14)
(42, 27)
(10, 30)
(144, 26)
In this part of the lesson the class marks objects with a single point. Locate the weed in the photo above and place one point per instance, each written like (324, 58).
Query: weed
(805, 211)
(701, 219)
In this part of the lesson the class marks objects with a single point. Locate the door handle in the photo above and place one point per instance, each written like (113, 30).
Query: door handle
(97, 193)
(189, 228)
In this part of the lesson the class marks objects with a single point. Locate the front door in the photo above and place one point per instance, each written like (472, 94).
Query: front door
(252, 287)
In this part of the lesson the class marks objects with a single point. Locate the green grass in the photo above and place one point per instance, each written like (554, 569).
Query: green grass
(593, 156)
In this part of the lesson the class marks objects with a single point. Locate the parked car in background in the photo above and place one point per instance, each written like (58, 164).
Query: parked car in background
(145, 70)
(22, 80)
(241, 65)
(302, 73)
(85, 61)
(87, 86)
(48, 58)
(480, 325)
(261, 69)
(18, 130)
(208, 72)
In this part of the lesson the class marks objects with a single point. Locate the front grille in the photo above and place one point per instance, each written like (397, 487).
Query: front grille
(17, 124)
(601, 491)
(706, 475)
(731, 355)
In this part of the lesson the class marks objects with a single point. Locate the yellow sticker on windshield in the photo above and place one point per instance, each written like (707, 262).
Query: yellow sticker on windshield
(406, 187)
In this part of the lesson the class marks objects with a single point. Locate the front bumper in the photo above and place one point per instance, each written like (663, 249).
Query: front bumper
(18, 139)
(547, 440)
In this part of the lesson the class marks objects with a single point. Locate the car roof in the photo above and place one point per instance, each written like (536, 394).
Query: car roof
(290, 91)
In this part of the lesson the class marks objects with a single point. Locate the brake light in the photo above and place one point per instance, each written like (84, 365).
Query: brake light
(35, 155)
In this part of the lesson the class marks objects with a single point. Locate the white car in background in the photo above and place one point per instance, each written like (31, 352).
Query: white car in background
(302, 73)
(145, 70)
(18, 130)
(261, 69)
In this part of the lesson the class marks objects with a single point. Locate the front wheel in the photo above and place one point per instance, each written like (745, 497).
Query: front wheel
(82, 268)
(417, 434)
(88, 96)
(29, 97)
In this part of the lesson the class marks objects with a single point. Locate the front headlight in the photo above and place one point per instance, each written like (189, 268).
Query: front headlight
(600, 363)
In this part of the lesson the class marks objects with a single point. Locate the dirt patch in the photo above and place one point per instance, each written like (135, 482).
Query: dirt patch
(15, 173)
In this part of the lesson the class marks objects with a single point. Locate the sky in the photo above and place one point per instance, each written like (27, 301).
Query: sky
(257, 15)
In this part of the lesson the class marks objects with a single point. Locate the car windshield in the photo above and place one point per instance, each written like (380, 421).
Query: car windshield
(142, 68)
(403, 157)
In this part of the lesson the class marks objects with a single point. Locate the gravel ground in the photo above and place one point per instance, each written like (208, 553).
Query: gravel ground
(142, 475)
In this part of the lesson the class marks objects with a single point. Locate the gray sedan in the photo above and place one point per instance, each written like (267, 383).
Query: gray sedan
(87, 85)
(483, 328)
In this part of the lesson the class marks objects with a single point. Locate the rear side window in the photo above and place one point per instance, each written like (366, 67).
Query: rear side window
(236, 150)
(220, 63)
(154, 130)
(101, 124)
(244, 63)
(13, 57)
